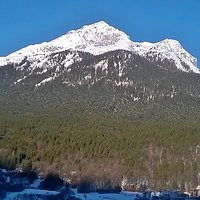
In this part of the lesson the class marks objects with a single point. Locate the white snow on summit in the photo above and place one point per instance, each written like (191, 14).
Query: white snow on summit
(170, 49)
(99, 38)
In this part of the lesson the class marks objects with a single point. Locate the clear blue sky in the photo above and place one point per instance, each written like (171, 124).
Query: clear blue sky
(24, 22)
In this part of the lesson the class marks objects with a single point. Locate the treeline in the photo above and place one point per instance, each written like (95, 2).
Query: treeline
(161, 153)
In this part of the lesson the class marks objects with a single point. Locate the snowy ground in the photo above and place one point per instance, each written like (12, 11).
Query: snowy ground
(111, 196)
(88, 196)
(13, 195)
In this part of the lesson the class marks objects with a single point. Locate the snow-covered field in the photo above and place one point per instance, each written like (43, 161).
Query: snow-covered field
(110, 196)
(33, 191)
(14, 195)
(89, 196)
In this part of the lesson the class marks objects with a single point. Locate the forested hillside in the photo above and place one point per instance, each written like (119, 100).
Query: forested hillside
(94, 103)
(164, 153)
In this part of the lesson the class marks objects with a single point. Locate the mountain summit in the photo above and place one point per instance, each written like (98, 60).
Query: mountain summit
(99, 38)
(96, 39)
(98, 69)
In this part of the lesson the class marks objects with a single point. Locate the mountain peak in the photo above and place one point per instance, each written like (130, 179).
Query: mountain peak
(173, 50)
(171, 43)
(99, 38)
(96, 38)
(99, 24)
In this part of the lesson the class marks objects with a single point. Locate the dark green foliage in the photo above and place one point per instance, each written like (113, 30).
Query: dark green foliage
(141, 123)
(86, 185)
(32, 176)
(144, 88)
(51, 182)
(161, 151)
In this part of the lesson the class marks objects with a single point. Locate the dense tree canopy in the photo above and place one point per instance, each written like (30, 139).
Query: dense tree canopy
(162, 152)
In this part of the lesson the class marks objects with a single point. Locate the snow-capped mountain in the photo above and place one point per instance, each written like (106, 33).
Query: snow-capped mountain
(169, 49)
(100, 38)
(99, 69)
(96, 39)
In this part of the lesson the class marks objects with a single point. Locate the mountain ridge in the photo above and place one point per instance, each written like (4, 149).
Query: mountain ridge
(152, 83)
(99, 38)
